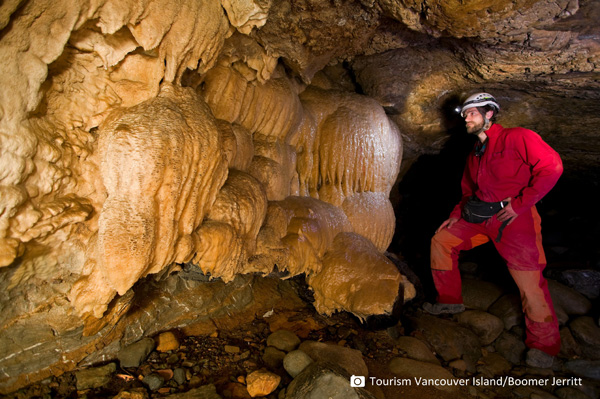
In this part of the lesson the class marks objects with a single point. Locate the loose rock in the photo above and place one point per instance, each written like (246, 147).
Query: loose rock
(262, 383)
(479, 294)
(284, 340)
(487, 326)
(510, 347)
(449, 340)
(95, 377)
(493, 364)
(296, 361)
(573, 302)
(133, 355)
(167, 341)
(204, 392)
(323, 380)
(154, 381)
(273, 357)
(587, 334)
(350, 360)
(508, 309)
(416, 349)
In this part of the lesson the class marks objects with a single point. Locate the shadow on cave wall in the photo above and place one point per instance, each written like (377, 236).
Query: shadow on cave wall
(431, 188)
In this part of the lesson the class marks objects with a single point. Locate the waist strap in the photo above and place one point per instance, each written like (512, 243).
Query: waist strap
(478, 211)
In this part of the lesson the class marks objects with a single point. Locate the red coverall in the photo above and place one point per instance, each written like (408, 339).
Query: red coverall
(518, 164)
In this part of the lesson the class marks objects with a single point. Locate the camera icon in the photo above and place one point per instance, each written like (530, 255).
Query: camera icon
(357, 381)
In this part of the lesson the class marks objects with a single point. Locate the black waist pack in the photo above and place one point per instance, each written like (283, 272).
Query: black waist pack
(478, 211)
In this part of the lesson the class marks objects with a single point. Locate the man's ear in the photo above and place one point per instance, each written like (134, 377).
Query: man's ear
(489, 114)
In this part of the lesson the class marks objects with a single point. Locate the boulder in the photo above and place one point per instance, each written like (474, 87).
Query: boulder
(487, 326)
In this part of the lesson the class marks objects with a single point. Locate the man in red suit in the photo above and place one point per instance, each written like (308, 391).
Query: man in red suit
(507, 173)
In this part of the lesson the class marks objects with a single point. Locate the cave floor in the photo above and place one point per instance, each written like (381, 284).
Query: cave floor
(225, 358)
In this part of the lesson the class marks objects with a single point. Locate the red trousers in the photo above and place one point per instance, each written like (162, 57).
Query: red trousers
(521, 248)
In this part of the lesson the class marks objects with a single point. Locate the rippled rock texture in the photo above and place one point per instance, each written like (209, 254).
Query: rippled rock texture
(242, 137)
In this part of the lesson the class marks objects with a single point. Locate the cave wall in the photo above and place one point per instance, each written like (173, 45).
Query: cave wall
(244, 137)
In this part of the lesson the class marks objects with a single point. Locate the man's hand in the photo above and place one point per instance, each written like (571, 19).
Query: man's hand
(447, 224)
(507, 213)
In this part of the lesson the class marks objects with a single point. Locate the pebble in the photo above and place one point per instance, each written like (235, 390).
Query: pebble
(273, 357)
(262, 383)
(283, 340)
(179, 375)
(166, 342)
(232, 349)
(296, 361)
(153, 381)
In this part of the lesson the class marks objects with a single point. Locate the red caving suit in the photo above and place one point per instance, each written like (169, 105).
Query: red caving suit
(518, 164)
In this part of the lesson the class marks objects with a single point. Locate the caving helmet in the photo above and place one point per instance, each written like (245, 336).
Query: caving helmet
(479, 100)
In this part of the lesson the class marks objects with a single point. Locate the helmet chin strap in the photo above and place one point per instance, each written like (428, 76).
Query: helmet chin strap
(487, 124)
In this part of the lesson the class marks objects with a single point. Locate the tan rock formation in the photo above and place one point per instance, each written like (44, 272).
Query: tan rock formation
(358, 278)
(112, 171)
(162, 165)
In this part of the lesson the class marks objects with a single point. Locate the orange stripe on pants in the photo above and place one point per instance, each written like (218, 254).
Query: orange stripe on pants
(521, 248)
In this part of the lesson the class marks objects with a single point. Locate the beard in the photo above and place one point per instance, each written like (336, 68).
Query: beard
(476, 128)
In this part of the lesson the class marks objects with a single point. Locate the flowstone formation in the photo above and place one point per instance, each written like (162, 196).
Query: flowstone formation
(241, 138)
(114, 172)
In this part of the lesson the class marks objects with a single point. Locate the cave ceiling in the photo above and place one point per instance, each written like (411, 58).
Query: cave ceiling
(539, 57)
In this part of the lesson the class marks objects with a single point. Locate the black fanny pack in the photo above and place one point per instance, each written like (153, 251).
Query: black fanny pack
(478, 211)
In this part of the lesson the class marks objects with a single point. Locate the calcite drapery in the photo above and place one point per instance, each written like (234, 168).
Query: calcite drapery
(162, 164)
(357, 277)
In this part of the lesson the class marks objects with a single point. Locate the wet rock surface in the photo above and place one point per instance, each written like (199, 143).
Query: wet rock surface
(297, 353)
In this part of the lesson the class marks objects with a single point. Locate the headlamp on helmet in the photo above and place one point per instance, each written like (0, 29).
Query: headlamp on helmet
(479, 100)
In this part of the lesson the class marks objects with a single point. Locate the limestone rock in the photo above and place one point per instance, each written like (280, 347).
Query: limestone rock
(480, 295)
(166, 342)
(571, 301)
(154, 381)
(273, 357)
(204, 392)
(493, 364)
(284, 340)
(95, 377)
(262, 383)
(584, 281)
(511, 347)
(584, 368)
(508, 309)
(487, 326)
(416, 349)
(296, 361)
(324, 380)
(448, 339)
(134, 354)
(587, 334)
(348, 359)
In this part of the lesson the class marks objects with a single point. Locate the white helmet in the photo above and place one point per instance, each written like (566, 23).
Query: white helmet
(479, 100)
